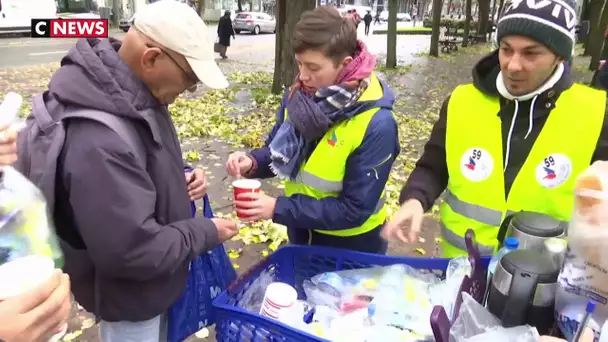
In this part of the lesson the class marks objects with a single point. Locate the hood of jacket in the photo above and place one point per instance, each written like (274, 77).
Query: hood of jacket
(92, 75)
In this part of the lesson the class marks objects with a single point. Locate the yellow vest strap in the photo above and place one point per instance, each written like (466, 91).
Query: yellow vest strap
(314, 181)
(459, 241)
(473, 211)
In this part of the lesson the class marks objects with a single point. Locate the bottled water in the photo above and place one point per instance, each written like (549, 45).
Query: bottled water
(511, 244)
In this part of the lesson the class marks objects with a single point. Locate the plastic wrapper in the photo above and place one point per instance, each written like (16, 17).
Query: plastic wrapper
(476, 324)
(446, 292)
(587, 233)
(25, 228)
(254, 295)
(584, 274)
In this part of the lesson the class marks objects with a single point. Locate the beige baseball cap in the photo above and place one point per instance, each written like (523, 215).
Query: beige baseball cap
(177, 26)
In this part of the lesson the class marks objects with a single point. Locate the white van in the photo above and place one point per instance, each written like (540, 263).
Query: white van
(16, 15)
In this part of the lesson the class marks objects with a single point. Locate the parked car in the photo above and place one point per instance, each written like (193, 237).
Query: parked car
(125, 24)
(400, 16)
(254, 22)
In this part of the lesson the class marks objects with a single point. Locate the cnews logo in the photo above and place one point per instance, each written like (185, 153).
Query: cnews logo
(69, 28)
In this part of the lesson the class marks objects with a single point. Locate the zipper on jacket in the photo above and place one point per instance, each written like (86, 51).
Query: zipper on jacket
(384, 161)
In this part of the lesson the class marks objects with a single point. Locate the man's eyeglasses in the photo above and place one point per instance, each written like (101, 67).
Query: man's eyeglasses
(192, 79)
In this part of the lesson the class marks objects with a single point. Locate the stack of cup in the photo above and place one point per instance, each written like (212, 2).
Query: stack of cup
(244, 185)
(278, 297)
(23, 274)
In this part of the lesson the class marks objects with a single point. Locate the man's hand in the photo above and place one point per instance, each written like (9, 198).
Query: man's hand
(8, 146)
(410, 211)
(38, 314)
(256, 206)
(197, 184)
(238, 164)
(226, 229)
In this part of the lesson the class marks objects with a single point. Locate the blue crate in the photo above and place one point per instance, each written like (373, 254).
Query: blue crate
(293, 265)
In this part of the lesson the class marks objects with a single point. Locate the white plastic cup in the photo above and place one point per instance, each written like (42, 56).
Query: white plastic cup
(23, 274)
(278, 296)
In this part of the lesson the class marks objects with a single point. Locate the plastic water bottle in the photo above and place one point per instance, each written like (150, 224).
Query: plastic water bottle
(511, 244)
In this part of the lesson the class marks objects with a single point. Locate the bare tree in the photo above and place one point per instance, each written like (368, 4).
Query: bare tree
(595, 31)
(599, 39)
(437, 7)
(467, 23)
(391, 35)
(501, 5)
(200, 7)
(482, 21)
(285, 68)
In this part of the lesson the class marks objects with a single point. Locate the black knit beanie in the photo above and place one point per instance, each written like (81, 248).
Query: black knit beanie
(550, 22)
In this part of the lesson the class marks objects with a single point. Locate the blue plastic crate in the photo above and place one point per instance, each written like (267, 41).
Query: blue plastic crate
(293, 265)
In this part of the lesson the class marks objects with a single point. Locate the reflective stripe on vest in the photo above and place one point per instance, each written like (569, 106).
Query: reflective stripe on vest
(312, 181)
(475, 195)
(321, 175)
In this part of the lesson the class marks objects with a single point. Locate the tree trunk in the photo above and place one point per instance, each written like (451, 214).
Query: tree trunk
(437, 7)
(597, 44)
(596, 7)
(482, 21)
(494, 3)
(285, 68)
(239, 6)
(501, 5)
(117, 12)
(200, 8)
(449, 6)
(391, 36)
(467, 23)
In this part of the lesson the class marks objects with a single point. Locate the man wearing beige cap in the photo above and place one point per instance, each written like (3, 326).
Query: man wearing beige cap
(122, 197)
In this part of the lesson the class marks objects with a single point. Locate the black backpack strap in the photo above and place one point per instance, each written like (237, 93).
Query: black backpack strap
(125, 128)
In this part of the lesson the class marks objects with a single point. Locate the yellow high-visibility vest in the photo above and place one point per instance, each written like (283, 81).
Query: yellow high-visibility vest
(322, 174)
(475, 195)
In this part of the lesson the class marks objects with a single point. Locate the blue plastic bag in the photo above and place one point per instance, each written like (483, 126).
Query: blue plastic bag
(210, 274)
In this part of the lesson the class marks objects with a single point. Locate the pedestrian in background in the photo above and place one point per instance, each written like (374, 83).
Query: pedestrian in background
(224, 31)
(367, 19)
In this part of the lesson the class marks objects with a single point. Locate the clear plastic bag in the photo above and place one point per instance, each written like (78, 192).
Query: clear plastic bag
(583, 275)
(25, 228)
(476, 324)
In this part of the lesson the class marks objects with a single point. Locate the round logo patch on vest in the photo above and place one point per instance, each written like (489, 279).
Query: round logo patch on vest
(476, 164)
(554, 170)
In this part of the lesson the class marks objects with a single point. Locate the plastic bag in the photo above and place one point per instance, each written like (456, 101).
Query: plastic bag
(476, 324)
(583, 275)
(25, 228)
(210, 273)
(587, 233)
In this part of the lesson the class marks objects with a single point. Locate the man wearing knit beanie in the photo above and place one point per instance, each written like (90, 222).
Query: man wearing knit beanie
(514, 139)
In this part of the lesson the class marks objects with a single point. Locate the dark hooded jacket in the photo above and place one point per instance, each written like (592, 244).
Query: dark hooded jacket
(430, 177)
(127, 233)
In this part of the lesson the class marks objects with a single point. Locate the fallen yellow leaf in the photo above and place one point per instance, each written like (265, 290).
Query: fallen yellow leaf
(420, 251)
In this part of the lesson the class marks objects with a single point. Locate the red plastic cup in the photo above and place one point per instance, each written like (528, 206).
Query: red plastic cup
(242, 186)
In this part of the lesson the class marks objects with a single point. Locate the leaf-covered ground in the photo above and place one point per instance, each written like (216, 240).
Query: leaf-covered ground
(212, 124)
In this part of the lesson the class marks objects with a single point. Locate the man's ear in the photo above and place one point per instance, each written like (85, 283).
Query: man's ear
(149, 58)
